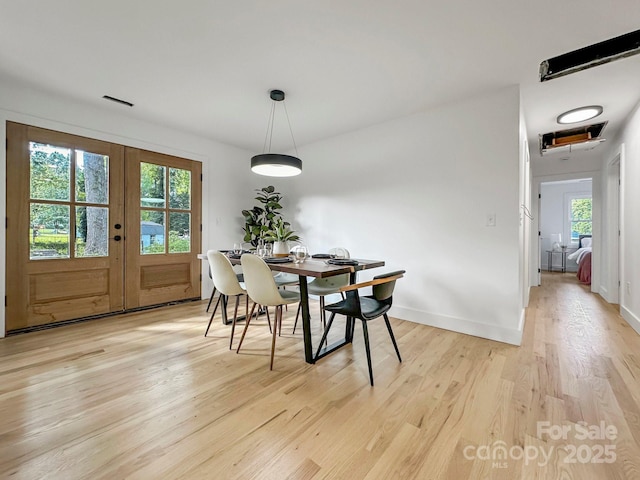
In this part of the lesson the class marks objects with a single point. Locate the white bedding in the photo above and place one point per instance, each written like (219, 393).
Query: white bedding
(579, 254)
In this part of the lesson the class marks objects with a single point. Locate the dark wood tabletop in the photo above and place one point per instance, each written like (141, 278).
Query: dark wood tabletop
(313, 267)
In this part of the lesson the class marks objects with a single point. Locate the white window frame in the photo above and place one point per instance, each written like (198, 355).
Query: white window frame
(568, 197)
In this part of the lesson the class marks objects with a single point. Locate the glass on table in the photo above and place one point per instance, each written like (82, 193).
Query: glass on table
(300, 254)
(340, 253)
(260, 248)
(237, 248)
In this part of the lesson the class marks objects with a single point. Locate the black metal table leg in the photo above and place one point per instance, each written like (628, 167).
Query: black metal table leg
(348, 334)
(225, 318)
(306, 320)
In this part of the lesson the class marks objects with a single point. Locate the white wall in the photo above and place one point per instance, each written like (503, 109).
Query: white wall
(554, 217)
(225, 169)
(627, 147)
(416, 192)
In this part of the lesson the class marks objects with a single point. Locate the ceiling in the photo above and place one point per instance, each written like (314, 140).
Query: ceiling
(206, 67)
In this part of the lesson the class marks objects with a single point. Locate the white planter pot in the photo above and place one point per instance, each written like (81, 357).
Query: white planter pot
(280, 249)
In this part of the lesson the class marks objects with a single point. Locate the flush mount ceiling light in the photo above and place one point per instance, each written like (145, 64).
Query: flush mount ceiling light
(580, 114)
(276, 164)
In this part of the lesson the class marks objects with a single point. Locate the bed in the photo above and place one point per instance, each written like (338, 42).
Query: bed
(582, 256)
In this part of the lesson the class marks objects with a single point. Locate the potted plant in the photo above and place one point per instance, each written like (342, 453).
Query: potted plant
(262, 218)
(281, 235)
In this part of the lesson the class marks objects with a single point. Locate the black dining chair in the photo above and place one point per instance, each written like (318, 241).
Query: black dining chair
(366, 308)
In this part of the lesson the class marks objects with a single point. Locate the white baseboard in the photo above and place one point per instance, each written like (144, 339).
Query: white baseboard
(631, 319)
(609, 296)
(511, 336)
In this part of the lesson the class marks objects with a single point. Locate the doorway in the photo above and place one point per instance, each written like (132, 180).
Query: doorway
(95, 228)
(566, 216)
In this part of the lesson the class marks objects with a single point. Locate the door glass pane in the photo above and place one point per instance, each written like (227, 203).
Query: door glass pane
(179, 232)
(50, 172)
(151, 232)
(179, 188)
(48, 231)
(152, 179)
(92, 177)
(92, 232)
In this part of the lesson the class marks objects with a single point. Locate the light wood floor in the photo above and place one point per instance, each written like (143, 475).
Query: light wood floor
(147, 396)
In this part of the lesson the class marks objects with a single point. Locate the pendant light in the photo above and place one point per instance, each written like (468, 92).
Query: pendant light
(276, 164)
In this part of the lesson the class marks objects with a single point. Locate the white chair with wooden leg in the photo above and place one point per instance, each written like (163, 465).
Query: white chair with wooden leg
(262, 290)
(225, 280)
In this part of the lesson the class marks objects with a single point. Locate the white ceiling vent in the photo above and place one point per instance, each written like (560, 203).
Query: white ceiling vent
(573, 140)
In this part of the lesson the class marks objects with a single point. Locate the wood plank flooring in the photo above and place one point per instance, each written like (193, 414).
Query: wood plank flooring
(146, 396)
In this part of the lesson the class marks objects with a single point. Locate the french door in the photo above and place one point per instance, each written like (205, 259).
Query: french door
(163, 197)
(95, 227)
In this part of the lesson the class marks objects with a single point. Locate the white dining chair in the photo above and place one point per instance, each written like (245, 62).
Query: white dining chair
(262, 290)
(225, 280)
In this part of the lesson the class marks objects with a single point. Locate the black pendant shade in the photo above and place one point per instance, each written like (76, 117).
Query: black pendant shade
(276, 164)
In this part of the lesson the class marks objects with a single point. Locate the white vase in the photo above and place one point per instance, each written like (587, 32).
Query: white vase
(280, 249)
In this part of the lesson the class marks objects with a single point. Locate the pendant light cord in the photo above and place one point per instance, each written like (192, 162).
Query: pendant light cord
(269, 135)
(295, 147)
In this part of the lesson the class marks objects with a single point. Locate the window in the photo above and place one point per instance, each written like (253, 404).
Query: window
(68, 187)
(159, 205)
(580, 207)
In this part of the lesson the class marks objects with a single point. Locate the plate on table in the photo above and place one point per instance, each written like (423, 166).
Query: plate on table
(342, 261)
(321, 255)
(277, 260)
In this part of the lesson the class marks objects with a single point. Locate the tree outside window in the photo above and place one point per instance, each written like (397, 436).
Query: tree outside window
(580, 217)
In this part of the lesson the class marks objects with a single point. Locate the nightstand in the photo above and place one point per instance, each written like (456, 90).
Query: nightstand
(563, 256)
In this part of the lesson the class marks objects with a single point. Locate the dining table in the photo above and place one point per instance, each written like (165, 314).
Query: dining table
(319, 268)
